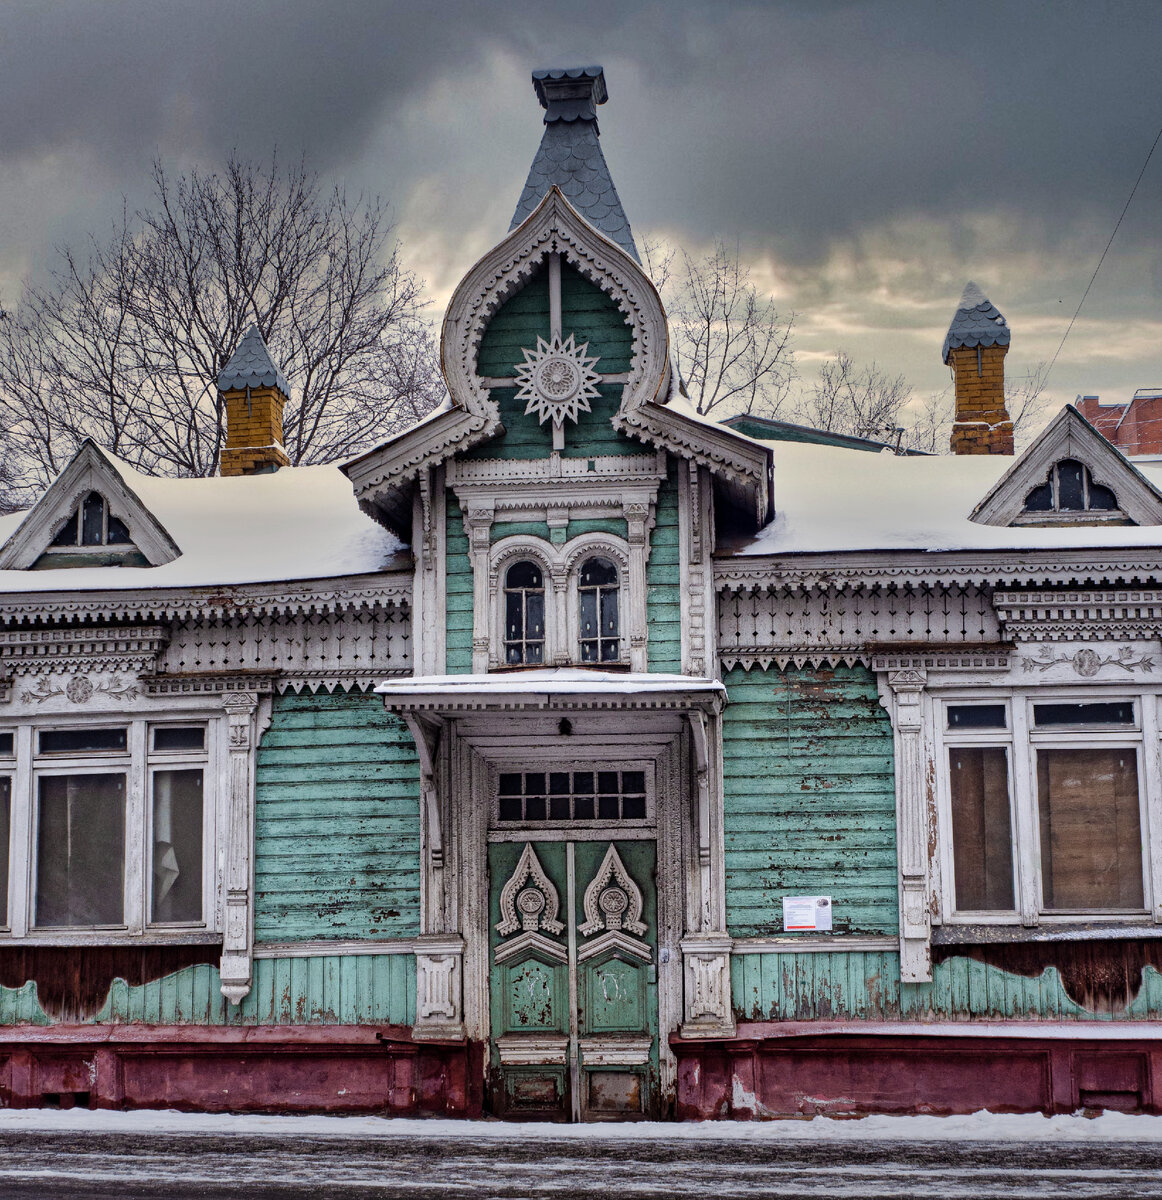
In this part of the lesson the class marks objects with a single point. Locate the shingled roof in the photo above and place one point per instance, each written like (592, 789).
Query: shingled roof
(252, 366)
(978, 322)
(570, 155)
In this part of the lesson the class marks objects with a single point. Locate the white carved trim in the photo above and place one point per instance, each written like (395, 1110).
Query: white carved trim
(439, 986)
(533, 1050)
(615, 1052)
(530, 943)
(611, 940)
(613, 876)
(1080, 614)
(707, 1010)
(529, 870)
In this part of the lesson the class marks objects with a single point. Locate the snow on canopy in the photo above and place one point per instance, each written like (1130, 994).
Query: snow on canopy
(296, 523)
(829, 498)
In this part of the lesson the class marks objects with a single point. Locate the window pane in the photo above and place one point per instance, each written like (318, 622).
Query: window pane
(535, 611)
(6, 748)
(80, 842)
(5, 836)
(1040, 499)
(982, 839)
(177, 845)
(92, 520)
(68, 533)
(81, 740)
(118, 532)
(588, 604)
(514, 619)
(523, 575)
(598, 571)
(976, 716)
(1070, 496)
(1101, 498)
(1091, 838)
(609, 613)
(179, 737)
(1108, 713)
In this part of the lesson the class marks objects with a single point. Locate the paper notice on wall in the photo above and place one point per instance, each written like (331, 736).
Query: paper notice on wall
(806, 912)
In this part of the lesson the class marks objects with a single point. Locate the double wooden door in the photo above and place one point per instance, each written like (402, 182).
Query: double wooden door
(573, 978)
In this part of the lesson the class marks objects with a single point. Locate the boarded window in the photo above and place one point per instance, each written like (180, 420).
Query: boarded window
(981, 828)
(80, 861)
(5, 836)
(177, 845)
(1091, 837)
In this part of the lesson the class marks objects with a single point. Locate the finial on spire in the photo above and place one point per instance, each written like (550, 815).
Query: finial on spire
(570, 93)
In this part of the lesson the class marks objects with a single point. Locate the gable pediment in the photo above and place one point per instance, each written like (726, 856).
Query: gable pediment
(88, 516)
(382, 477)
(1071, 475)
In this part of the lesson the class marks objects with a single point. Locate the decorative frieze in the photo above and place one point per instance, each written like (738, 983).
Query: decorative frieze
(134, 648)
(783, 621)
(1080, 615)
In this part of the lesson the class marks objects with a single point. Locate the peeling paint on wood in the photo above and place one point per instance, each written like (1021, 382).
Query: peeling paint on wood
(337, 823)
(809, 799)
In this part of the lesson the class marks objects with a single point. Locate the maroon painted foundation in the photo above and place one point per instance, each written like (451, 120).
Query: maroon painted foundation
(775, 1070)
(337, 1069)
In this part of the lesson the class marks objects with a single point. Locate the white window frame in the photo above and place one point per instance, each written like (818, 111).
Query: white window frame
(1021, 738)
(26, 766)
(561, 569)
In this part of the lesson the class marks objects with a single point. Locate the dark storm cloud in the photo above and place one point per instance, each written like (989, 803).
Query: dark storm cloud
(909, 141)
(799, 121)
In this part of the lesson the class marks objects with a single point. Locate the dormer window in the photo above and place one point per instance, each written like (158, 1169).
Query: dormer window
(524, 614)
(92, 524)
(598, 591)
(1070, 489)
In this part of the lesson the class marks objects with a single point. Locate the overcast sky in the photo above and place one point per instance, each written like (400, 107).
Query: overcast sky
(868, 158)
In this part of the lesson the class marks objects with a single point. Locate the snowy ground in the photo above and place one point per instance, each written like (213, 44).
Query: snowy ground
(70, 1155)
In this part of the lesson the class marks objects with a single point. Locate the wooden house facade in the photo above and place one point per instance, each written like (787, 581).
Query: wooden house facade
(573, 756)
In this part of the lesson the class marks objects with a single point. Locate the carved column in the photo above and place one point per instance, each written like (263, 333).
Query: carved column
(238, 941)
(478, 525)
(560, 652)
(637, 519)
(913, 826)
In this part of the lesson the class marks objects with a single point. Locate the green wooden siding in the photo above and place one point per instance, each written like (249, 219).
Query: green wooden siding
(325, 989)
(809, 798)
(858, 985)
(663, 589)
(594, 319)
(539, 529)
(337, 826)
(458, 590)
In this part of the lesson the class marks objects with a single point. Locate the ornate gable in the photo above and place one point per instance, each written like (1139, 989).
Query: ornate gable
(1071, 475)
(89, 516)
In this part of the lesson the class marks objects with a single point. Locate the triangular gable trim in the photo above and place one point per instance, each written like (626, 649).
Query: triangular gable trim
(91, 470)
(556, 227)
(1070, 435)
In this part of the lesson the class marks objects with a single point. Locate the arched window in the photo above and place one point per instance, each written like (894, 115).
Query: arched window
(524, 614)
(1070, 489)
(600, 624)
(92, 524)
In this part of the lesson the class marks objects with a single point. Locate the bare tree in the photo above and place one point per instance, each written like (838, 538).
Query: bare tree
(124, 343)
(859, 400)
(732, 346)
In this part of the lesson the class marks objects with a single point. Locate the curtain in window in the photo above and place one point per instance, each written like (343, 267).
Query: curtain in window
(177, 845)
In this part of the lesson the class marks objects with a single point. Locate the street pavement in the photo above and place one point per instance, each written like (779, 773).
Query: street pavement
(71, 1164)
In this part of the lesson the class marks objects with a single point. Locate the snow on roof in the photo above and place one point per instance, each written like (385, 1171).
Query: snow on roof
(829, 498)
(297, 523)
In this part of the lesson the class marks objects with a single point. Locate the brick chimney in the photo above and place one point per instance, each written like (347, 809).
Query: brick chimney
(975, 349)
(255, 391)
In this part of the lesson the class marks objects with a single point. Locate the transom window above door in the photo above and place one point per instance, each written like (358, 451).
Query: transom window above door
(571, 795)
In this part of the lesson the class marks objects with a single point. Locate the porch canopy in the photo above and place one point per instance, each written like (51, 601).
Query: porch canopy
(551, 688)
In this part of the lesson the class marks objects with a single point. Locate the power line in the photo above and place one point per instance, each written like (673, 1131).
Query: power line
(1103, 256)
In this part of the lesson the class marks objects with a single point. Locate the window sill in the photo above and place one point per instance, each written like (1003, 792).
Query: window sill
(1094, 929)
(106, 937)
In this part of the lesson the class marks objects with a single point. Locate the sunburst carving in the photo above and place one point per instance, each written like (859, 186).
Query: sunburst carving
(557, 379)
